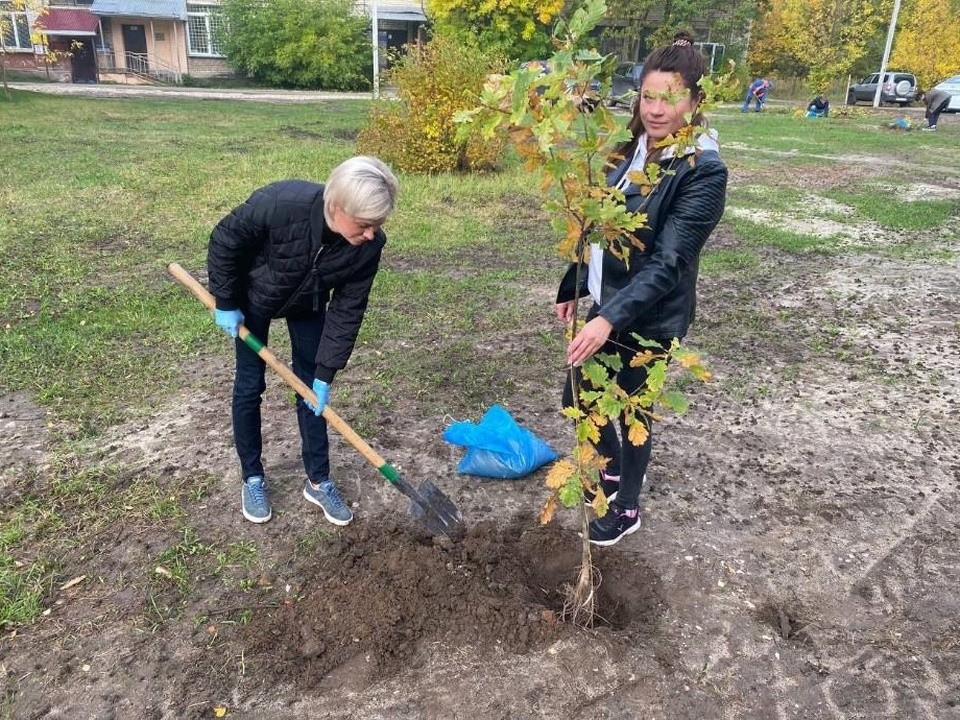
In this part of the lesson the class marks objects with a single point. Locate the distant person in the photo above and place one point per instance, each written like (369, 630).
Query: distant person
(308, 253)
(936, 102)
(818, 107)
(652, 291)
(757, 93)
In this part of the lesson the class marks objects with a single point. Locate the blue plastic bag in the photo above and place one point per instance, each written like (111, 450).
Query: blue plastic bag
(498, 447)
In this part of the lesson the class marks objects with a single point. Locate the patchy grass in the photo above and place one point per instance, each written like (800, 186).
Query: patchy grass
(894, 213)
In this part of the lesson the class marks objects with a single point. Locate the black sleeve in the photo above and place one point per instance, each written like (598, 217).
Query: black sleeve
(234, 243)
(695, 211)
(345, 312)
(568, 284)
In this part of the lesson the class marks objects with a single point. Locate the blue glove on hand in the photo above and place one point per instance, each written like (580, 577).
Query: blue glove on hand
(229, 320)
(322, 390)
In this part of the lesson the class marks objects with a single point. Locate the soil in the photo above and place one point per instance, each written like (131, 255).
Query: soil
(798, 558)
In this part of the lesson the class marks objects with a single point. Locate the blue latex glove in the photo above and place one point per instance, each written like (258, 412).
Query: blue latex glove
(322, 390)
(228, 320)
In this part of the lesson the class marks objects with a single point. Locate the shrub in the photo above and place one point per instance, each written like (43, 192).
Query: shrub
(417, 133)
(309, 44)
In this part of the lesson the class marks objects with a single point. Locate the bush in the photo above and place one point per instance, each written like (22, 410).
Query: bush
(308, 44)
(417, 133)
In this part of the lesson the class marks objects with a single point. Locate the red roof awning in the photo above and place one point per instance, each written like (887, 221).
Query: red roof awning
(68, 21)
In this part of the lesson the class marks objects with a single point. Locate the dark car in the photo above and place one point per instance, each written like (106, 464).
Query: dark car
(899, 88)
(626, 82)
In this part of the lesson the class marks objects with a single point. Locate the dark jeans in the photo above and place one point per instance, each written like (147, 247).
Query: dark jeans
(249, 384)
(627, 460)
(934, 113)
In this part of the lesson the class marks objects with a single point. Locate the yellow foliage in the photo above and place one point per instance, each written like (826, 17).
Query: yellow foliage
(638, 433)
(600, 503)
(931, 56)
(548, 509)
(418, 132)
(823, 39)
(559, 474)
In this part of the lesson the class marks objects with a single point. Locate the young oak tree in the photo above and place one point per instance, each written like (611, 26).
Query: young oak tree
(547, 117)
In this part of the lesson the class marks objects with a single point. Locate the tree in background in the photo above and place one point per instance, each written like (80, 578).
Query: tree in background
(517, 29)
(928, 40)
(641, 24)
(817, 39)
(309, 44)
(417, 132)
(37, 9)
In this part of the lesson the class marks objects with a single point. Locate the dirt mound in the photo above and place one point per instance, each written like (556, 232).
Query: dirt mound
(379, 599)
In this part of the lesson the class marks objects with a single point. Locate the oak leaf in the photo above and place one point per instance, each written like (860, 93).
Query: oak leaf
(638, 433)
(548, 509)
(558, 474)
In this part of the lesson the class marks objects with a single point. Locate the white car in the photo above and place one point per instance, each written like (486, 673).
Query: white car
(952, 86)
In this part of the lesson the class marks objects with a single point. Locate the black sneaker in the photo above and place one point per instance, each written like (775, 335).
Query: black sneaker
(614, 525)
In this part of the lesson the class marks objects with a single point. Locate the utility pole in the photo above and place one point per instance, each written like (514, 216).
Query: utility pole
(886, 53)
(375, 31)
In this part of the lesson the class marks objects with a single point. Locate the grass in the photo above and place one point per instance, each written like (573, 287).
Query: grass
(885, 208)
(98, 196)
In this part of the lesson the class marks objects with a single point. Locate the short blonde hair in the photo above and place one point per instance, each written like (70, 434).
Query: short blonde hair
(362, 187)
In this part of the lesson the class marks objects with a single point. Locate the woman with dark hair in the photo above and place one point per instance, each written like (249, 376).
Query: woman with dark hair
(653, 295)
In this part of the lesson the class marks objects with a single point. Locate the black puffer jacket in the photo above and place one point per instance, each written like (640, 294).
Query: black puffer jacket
(655, 294)
(268, 256)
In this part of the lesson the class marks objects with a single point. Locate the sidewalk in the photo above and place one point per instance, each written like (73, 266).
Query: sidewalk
(168, 91)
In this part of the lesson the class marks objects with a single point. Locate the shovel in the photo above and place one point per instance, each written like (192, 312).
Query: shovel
(428, 504)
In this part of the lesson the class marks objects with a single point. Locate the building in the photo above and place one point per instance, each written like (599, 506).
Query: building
(146, 41)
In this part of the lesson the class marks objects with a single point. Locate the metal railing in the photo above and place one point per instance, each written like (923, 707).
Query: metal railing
(143, 65)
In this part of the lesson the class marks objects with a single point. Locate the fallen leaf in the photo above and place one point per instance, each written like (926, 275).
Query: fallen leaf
(70, 583)
(219, 711)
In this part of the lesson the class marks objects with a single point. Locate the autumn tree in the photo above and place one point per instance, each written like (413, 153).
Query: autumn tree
(10, 14)
(927, 42)
(817, 39)
(641, 24)
(518, 29)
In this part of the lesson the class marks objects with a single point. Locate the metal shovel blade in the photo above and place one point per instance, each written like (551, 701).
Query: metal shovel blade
(431, 507)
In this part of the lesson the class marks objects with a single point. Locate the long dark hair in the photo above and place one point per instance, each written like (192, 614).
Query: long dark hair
(683, 58)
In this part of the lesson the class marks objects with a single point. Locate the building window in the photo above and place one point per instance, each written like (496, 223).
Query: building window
(204, 27)
(16, 29)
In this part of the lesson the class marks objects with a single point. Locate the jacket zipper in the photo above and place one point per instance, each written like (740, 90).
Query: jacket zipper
(315, 273)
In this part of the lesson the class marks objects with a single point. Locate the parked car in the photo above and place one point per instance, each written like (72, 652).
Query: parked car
(626, 82)
(952, 86)
(899, 88)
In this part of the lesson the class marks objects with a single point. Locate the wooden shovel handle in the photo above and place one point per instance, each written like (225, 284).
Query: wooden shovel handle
(284, 371)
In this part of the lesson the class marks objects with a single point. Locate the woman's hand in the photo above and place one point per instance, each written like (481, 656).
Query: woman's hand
(588, 341)
(565, 311)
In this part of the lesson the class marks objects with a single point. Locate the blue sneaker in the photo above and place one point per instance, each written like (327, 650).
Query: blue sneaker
(254, 500)
(325, 496)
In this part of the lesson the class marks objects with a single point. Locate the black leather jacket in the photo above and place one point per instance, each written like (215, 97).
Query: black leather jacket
(654, 295)
(267, 255)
